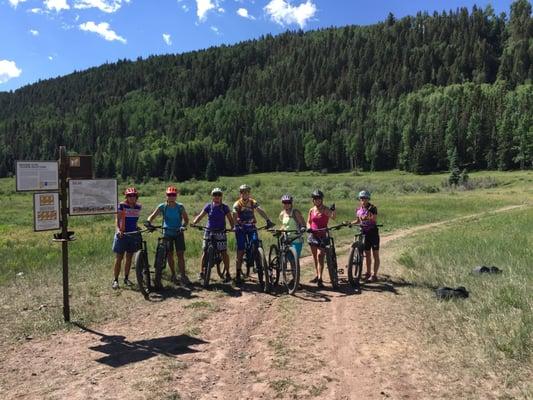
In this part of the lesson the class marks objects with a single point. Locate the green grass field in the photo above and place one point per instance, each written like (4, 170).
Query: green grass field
(491, 331)
(30, 272)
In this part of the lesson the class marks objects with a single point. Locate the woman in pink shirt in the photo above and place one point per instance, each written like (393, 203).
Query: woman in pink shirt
(318, 218)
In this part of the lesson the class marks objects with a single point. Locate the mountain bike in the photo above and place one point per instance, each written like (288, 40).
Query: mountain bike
(212, 255)
(328, 244)
(283, 260)
(355, 260)
(254, 257)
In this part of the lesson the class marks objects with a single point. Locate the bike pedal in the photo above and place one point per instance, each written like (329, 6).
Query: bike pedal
(340, 271)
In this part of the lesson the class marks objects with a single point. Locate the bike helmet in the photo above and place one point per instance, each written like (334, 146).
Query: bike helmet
(317, 194)
(364, 193)
(244, 187)
(286, 198)
(131, 191)
(216, 191)
(172, 190)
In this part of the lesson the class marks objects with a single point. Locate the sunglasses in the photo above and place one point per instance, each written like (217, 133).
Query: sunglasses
(171, 194)
(287, 202)
(317, 198)
(217, 194)
(363, 198)
(131, 195)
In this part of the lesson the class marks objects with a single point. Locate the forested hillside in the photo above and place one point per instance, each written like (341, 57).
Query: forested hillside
(409, 93)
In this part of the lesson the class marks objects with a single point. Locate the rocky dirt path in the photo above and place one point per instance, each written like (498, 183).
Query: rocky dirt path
(231, 343)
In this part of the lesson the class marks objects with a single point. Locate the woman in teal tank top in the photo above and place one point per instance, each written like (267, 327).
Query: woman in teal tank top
(291, 219)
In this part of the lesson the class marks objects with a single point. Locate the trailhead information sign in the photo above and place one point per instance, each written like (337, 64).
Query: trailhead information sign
(37, 176)
(92, 196)
(45, 211)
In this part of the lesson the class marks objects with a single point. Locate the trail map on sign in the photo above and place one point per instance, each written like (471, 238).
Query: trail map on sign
(92, 196)
(46, 211)
(37, 175)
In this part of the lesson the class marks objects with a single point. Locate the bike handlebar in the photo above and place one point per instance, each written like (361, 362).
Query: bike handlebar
(203, 228)
(327, 229)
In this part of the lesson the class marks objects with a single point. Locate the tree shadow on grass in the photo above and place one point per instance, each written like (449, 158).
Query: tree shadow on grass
(122, 352)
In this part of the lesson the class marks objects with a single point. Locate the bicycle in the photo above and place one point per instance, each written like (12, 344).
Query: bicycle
(212, 255)
(355, 260)
(283, 260)
(142, 266)
(254, 257)
(328, 244)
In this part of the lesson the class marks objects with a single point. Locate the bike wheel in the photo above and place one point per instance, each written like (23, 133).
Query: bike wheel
(142, 272)
(273, 263)
(262, 270)
(221, 270)
(159, 264)
(291, 271)
(332, 268)
(209, 260)
(355, 267)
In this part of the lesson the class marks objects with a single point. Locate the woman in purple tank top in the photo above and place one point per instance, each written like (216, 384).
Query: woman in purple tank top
(318, 218)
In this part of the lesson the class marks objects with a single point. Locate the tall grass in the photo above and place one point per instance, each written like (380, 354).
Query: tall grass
(492, 330)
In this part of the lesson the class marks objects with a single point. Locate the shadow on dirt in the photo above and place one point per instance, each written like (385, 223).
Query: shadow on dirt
(122, 352)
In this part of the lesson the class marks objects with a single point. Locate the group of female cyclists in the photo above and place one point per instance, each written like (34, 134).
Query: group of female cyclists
(242, 221)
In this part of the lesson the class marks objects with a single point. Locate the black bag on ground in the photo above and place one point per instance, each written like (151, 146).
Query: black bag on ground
(482, 269)
(447, 293)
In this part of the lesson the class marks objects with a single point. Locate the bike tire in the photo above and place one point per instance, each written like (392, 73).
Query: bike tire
(221, 270)
(291, 275)
(209, 261)
(142, 272)
(262, 271)
(355, 267)
(273, 263)
(159, 263)
(332, 269)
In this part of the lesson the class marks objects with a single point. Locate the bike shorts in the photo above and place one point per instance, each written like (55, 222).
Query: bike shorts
(297, 246)
(175, 243)
(372, 240)
(317, 241)
(126, 243)
(221, 238)
(240, 236)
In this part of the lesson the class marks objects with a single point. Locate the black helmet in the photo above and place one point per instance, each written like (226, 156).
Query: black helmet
(317, 194)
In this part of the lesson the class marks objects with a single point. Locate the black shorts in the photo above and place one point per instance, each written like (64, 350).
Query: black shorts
(372, 240)
(177, 242)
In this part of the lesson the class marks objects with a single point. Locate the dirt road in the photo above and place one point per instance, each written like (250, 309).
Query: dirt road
(233, 343)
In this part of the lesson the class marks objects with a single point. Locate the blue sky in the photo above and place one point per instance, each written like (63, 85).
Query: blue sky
(40, 39)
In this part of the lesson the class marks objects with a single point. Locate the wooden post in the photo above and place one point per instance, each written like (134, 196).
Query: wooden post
(63, 172)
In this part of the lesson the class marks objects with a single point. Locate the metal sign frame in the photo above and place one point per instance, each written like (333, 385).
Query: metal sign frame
(75, 214)
(40, 189)
(56, 210)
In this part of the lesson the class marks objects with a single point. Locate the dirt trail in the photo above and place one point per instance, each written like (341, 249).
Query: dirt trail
(241, 345)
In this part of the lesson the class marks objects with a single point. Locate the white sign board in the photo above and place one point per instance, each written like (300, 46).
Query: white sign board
(37, 175)
(45, 211)
(92, 196)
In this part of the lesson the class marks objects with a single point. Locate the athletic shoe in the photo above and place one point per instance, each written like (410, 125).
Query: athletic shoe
(238, 279)
(227, 279)
(319, 283)
(127, 282)
(174, 280)
(115, 284)
(185, 280)
(314, 280)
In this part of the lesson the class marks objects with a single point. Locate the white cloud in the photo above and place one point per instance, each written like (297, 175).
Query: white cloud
(34, 32)
(167, 39)
(8, 70)
(215, 29)
(185, 7)
(50, 58)
(221, 10)
(243, 12)
(103, 30)
(107, 6)
(202, 7)
(56, 5)
(15, 3)
(283, 13)
(36, 10)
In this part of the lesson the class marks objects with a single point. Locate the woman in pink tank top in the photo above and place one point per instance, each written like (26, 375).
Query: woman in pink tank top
(318, 218)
